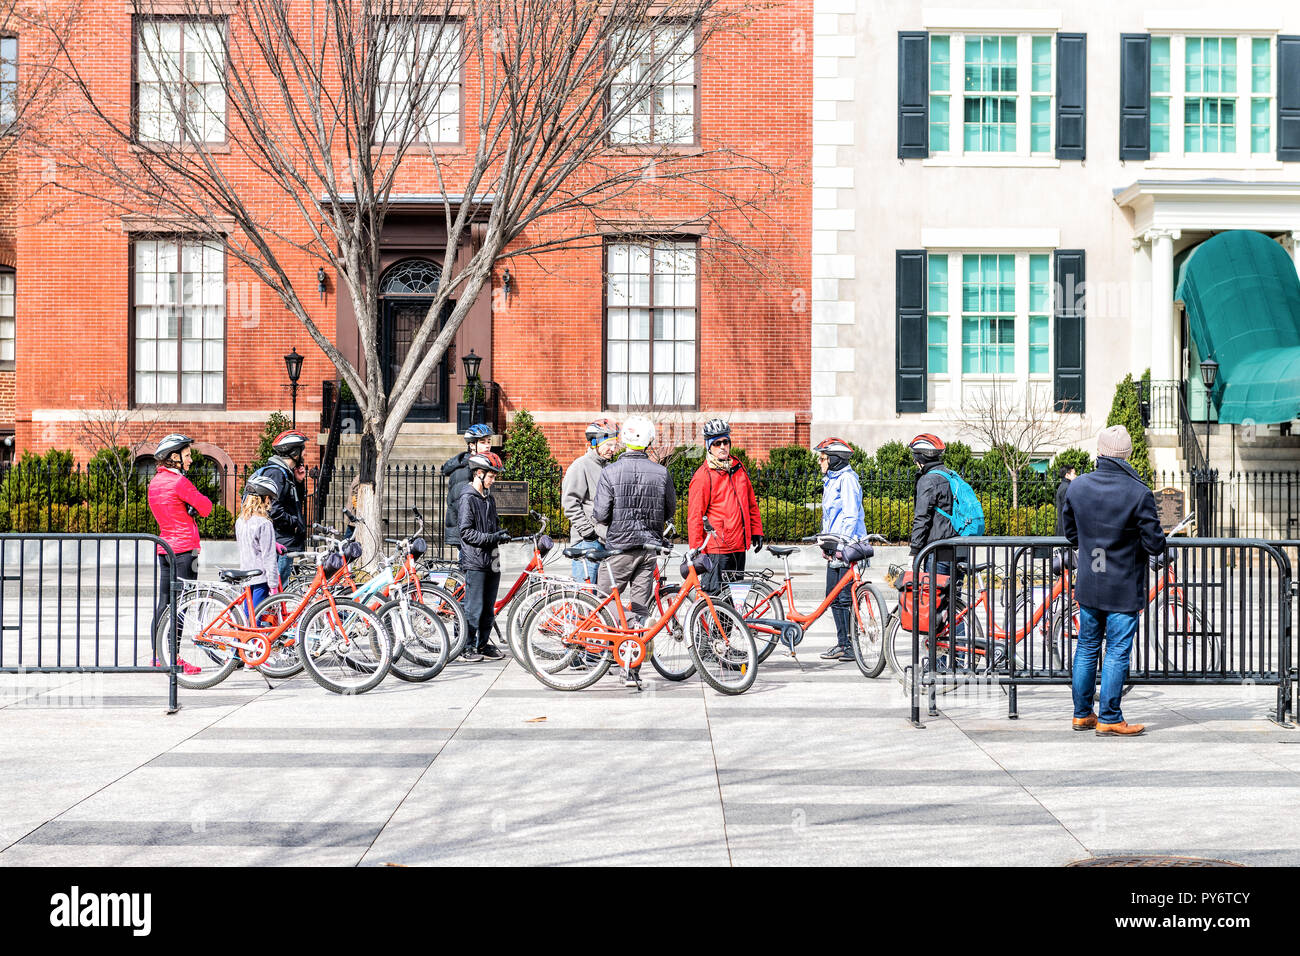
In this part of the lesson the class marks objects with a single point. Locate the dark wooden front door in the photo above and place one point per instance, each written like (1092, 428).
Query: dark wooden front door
(401, 319)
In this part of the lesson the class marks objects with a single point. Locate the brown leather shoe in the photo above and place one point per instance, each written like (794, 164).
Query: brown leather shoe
(1122, 729)
(1085, 723)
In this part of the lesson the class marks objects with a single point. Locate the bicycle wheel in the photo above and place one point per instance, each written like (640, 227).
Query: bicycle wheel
(671, 657)
(449, 611)
(273, 611)
(898, 650)
(1188, 647)
(519, 609)
(869, 631)
(215, 661)
(759, 598)
(722, 647)
(549, 653)
(420, 643)
(344, 647)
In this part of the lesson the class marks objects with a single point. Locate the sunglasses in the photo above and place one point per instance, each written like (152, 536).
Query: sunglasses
(722, 441)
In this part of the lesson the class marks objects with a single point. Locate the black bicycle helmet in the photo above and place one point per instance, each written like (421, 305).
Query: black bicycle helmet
(714, 429)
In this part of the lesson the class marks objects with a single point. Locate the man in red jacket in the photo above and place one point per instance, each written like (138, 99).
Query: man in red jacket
(720, 490)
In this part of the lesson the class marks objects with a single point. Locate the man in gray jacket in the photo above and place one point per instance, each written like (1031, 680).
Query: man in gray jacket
(578, 494)
(634, 497)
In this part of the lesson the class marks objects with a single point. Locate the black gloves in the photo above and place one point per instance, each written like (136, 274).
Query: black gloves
(192, 511)
(590, 535)
(503, 537)
(758, 543)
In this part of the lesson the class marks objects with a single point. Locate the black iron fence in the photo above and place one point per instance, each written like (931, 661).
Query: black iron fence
(55, 495)
(1218, 611)
(78, 604)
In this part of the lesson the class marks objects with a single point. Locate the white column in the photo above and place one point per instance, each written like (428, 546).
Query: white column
(1162, 302)
(1295, 249)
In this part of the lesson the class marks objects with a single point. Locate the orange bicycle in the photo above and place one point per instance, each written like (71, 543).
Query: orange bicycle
(342, 644)
(572, 637)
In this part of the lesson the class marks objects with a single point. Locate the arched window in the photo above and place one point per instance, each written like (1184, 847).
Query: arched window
(411, 277)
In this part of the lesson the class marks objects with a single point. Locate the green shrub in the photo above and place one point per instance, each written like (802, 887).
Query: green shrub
(220, 525)
(277, 423)
(1126, 410)
(891, 517)
(894, 456)
(788, 521)
(959, 457)
(527, 457)
(98, 518)
(1077, 458)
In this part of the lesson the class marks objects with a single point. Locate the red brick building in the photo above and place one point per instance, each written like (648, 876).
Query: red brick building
(122, 304)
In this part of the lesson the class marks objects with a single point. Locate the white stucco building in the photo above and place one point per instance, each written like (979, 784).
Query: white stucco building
(974, 164)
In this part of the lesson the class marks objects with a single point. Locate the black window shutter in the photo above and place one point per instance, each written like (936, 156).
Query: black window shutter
(1135, 96)
(910, 366)
(1288, 99)
(1071, 94)
(1068, 375)
(913, 95)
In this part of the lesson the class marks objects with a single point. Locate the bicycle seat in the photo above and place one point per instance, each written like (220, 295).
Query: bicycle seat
(586, 554)
(234, 577)
(781, 550)
(975, 568)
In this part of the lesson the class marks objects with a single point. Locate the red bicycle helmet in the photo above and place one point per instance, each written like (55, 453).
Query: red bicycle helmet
(289, 443)
(485, 461)
(833, 446)
(926, 447)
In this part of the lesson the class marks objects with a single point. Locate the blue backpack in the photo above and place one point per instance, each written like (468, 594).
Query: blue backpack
(967, 516)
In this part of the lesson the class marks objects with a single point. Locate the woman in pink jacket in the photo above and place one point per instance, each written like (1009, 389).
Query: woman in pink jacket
(175, 504)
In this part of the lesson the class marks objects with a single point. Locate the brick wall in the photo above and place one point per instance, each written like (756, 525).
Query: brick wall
(74, 333)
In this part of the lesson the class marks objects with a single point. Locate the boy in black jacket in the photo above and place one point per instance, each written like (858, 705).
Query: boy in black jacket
(480, 536)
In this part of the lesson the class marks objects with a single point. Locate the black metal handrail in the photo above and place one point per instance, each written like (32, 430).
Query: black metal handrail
(331, 391)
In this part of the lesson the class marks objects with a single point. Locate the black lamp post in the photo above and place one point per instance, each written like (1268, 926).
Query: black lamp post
(472, 362)
(1209, 372)
(293, 365)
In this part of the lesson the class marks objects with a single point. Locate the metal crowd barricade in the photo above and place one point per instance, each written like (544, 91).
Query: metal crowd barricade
(84, 604)
(1219, 611)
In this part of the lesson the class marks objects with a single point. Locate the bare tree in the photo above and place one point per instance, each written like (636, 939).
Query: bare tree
(31, 81)
(124, 433)
(328, 104)
(1019, 422)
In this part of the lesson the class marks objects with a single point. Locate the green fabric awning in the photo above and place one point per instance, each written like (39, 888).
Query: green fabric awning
(1243, 309)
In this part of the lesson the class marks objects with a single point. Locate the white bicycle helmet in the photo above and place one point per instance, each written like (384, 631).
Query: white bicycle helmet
(260, 485)
(637, 432)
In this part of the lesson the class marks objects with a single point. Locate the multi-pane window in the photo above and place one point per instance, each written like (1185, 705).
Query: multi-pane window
(8, 81)
(1004, 100)
(1209, 119)
(989, 111)
(1040, 318)
(1205, 101)
(650, 321)
(7, 323)
(937, 320)
(653, 96)
(179, 320)
(420, 83)
(1160, 74)
(988, 314)
(940, 93)
(180, 80)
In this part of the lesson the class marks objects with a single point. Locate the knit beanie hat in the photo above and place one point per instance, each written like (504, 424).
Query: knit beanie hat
(1114, 442)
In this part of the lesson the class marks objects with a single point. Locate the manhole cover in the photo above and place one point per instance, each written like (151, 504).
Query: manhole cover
(1149, 861)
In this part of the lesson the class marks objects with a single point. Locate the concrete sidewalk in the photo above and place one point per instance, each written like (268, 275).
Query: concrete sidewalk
(484, 765)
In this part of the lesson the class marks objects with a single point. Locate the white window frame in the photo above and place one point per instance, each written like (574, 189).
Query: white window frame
(392, 94)
(147, 73)
(956, 155)
(1242, 157)
(946, 391)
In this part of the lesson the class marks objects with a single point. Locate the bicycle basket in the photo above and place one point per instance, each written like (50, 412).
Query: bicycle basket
(544, 545)
(703, 564)
(351, 550)
(856, 551)
(916, 602)
(333, 563)
(418, 547)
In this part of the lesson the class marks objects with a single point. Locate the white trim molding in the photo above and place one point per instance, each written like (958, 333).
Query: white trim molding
(1228, 20)
(1211, 205)
(174, 414)
(757, 416)
(1004, 21)
(978, 238)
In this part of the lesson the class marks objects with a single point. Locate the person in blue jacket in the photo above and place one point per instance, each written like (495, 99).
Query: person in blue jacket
(842, 515)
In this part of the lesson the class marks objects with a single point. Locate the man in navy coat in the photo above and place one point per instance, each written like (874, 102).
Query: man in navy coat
(1110, 517)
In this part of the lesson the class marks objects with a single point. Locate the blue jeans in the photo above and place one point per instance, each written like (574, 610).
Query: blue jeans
(284, 564)
(585, 570)
(260, 591)
(1118, 630)
(841, 607)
